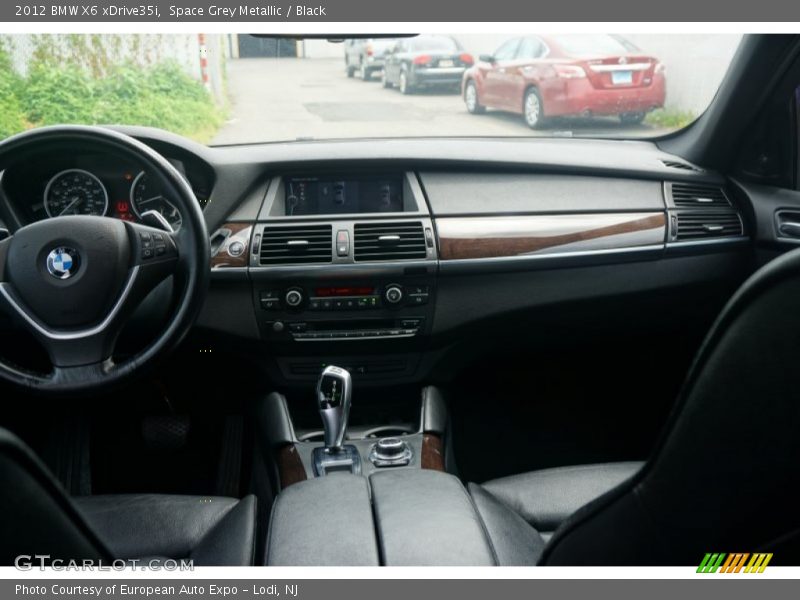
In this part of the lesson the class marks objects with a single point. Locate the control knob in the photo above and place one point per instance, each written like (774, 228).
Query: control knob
(294, 297)
(390, 452)
(393, 294)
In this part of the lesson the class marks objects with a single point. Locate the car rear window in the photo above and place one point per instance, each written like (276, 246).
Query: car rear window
(432, 43)
(590, 45)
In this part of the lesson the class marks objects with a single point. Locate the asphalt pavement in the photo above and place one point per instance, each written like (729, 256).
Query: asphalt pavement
(289, 99)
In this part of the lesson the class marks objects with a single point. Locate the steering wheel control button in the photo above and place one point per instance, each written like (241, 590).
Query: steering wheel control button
(393, 295)
(63, 262)
(342, 242)
(391, 452)
(148, 250)
(294, 298)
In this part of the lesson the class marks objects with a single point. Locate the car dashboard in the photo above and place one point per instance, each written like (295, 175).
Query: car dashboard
(383, 256)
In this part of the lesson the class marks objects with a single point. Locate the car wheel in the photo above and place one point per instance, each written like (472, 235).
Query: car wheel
(405, 87)
(385, 80)
(471, 99)
(632, 118)
(365, 73)
(532, 109)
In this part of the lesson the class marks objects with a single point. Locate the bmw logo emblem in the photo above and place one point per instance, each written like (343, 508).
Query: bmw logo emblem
(63, 263)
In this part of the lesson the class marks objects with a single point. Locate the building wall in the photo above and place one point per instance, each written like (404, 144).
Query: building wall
(320, 49)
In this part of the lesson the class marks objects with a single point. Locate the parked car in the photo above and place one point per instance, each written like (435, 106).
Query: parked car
(366, 56)
(425, 61)
(566, 75)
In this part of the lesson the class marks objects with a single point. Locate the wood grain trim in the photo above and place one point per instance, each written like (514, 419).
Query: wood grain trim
(238, 232)
(290, 466)
(432, 456)
(490, 237)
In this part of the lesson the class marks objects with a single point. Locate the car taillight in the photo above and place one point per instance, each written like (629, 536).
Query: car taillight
(660, 68)
(466, 58)
(423, 59)
(569, 71)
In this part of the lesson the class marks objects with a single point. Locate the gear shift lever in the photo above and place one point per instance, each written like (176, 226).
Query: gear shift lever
(334, 394)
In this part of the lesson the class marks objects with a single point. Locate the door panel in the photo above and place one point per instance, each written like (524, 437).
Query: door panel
(494, 87)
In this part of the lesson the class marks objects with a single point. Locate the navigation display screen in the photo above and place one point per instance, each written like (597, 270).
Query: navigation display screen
(330, 196)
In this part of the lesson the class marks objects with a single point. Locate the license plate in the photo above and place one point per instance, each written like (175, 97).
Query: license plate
(446, 63)
(621, 77)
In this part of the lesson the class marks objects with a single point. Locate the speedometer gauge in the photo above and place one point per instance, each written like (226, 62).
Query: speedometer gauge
(75, 192)
(145, 196)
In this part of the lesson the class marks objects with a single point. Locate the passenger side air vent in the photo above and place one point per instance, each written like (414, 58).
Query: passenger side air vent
(694, 195)
(389, 241)
(675, 164)
(296, 244)
(696, 225)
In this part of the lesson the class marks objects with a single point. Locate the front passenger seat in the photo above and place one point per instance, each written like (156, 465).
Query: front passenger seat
(37, 518)
(725, 476)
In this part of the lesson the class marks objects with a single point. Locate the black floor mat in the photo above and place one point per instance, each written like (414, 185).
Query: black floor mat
(143, 456)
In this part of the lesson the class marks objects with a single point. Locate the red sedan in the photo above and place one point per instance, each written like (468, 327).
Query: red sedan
(566, 75)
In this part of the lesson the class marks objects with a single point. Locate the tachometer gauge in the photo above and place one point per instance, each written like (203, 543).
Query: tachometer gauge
(145, 196)
(75, 192)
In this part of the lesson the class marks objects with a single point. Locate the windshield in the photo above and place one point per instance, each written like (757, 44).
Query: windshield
(237, 88)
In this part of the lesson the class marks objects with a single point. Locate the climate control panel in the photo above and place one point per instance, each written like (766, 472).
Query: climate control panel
(313, 311)
(343, 298)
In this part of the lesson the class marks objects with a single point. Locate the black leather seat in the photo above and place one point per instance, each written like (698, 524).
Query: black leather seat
(725, 475)
(546, 498)
(37, 518)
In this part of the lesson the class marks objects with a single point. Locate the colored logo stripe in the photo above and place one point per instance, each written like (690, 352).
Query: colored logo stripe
(758, 563)
(710, 563)
(733, 563)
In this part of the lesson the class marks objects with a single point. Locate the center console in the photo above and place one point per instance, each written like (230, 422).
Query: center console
(344, 281)
(367, 500)
(299, 453)
(344, 265)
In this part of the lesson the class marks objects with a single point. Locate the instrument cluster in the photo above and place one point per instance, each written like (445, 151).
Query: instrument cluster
(93, 185)
(81, 192)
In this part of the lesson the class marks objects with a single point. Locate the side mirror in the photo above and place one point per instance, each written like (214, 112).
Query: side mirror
(487, 58)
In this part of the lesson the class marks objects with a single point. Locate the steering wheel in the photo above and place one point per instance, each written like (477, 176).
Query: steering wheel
(73, 281)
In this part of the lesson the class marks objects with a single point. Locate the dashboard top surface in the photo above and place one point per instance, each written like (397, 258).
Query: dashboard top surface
(242, 172)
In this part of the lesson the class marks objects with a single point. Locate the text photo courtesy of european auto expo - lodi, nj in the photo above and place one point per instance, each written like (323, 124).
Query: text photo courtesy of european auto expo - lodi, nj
(348, 299)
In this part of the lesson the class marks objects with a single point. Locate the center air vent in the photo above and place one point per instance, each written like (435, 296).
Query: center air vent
(696, 225)
(296, 244)
(389, 241)
(694, 195)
